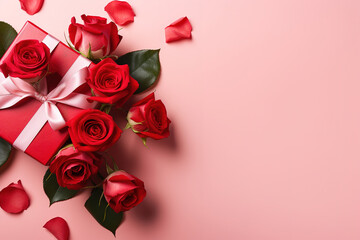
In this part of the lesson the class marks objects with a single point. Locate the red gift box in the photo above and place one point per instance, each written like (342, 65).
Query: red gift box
(14, 119)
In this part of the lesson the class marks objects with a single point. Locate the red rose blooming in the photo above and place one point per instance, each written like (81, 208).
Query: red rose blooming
(123, 191)
(96, 38)
(92, 130)
(148, 118)
(28, 60)
(111, 83)
(73, 168)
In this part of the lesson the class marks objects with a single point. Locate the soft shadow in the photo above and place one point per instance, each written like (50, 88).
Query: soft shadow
(126, 156)
(170, 143)
(147, 211)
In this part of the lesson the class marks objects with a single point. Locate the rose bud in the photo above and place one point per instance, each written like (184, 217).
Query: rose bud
(148, 118)
(28, 60)
(14, 199)
(111, 83)
(96, 38)
(92, 130)
(123, 191)
(74, 169)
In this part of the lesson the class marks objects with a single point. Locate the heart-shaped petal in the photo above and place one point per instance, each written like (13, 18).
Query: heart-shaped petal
(31, 6)
(14, 199)
(120, 12)
(180, 29)
(59, 228)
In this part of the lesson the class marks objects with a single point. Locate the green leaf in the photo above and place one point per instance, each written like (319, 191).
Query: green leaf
(127, 126)
(144, 141)
(109, 170)
(106, 108)
(55, 192)
(7, 36)
(116, 167)
(5, 149)
(144, 67)
(90, 56)
(100, 210)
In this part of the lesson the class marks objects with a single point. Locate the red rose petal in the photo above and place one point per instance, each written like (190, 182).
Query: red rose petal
(59, 228)
(13, 198)
(180, 29)
(120, 12)
(31, 6)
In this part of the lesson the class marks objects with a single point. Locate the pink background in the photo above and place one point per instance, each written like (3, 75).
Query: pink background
(266, 124)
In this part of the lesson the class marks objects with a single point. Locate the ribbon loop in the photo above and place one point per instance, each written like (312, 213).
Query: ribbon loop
(14, 90)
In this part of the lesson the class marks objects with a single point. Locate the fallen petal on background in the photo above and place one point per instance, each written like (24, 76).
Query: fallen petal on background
(31, 6)
(59, 228)
(14, 199)
(120, 12)
(180, 29)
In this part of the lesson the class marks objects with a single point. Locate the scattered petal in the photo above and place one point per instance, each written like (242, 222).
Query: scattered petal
(180, 29)
(31, 6)
(14, 199)
(58, 227)
(120, 12)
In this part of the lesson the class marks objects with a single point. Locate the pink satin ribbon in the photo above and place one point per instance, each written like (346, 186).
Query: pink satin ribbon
(13, 90)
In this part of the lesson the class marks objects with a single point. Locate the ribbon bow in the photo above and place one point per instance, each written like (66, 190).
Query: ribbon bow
(13, 90)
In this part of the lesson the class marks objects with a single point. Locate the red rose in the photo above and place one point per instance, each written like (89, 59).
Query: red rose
(93, 130)
(147, 118)
(73, 168)
(111, 83)
(96, 38)
(28, 60)
(123, 191)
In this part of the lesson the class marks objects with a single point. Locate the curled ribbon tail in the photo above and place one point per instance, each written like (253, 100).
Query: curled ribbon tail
(10, 94)
(54, 116)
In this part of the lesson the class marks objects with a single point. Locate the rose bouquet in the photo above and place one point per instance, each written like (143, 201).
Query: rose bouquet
(73, 92)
